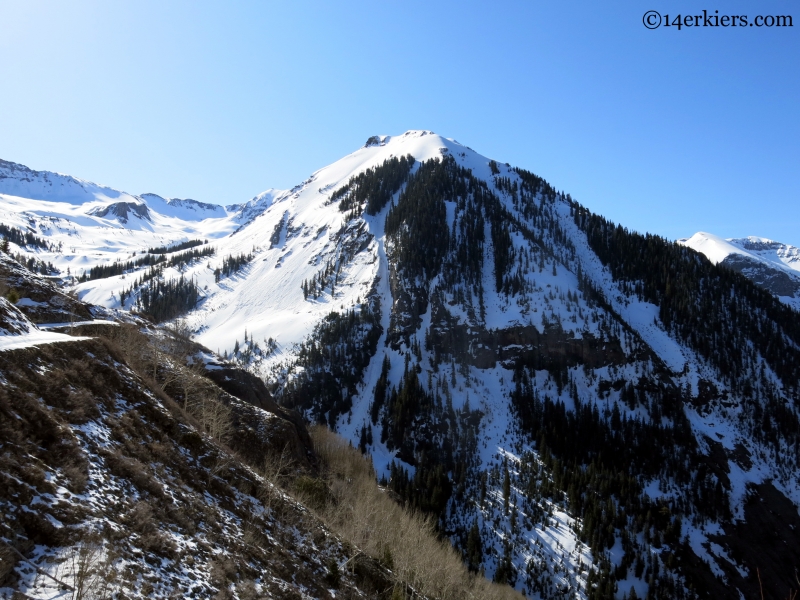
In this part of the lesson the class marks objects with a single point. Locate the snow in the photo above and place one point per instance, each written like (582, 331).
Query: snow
(75, 324)
(265, 300)
(714, 247)
(186, 210)
(35, 338)
(775, 254)
(19, 180)
(27, 302)
(767, 262)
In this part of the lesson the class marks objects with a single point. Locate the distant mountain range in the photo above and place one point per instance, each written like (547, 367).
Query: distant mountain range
(772, 265)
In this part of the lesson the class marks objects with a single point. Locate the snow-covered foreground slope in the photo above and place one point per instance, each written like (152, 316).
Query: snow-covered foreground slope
(772, 265)
(459, 333)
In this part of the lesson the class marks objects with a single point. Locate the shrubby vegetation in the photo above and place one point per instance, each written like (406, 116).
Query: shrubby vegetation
(400, 539)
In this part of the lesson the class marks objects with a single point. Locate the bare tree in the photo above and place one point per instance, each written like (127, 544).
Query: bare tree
(423, 565)
(89, 566)
(276, 472)
(215, 418)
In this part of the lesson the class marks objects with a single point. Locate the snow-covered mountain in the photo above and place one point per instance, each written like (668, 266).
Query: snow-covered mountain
(74, 225)
(586, 411)
(19, 180)
(136, 465)
(771, 265)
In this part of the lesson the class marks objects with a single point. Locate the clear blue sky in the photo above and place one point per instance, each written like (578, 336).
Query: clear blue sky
(665, 131)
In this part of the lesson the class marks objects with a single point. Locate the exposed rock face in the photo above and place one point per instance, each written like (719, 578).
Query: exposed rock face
(773, 280)
(12, 320)
(552, 348)
(259, 434)
(123, 210)
(40, 299)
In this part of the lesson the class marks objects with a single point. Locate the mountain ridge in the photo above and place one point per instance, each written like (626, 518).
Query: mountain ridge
(772, 265)
(434, 306)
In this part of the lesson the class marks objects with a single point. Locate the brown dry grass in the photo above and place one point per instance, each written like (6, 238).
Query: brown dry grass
(406, 543)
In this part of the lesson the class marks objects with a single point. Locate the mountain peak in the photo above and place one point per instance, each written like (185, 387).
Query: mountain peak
(22, 181)
(772, 265)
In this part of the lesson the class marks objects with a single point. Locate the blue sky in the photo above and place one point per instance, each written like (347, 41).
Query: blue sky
(664, 131)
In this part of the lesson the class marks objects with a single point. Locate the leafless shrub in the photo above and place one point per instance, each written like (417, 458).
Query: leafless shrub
(134, 471)
(88, 565)
(142, 520)
(253, 535)
(224, 594)
(34, 475)
(180, 338)
(161, 451)
(247, 590)
(215, 418)
(366, 517)
(8, 560)
(276, 472)
(311, 491)
(131, 343)
(82, 406)
(222, 570)
(278, 468)
(77, 474)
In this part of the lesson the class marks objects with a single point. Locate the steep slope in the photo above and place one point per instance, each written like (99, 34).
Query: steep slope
(584, 410)
(769, 264)
(109, 487)
(504, 376)
(135, 465)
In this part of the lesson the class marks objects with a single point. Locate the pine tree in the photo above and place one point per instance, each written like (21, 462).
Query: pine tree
(474, 548)
(506, 489)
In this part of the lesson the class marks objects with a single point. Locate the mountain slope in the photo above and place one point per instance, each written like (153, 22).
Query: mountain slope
(130, 470)
(111, 488)
(584, 410)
